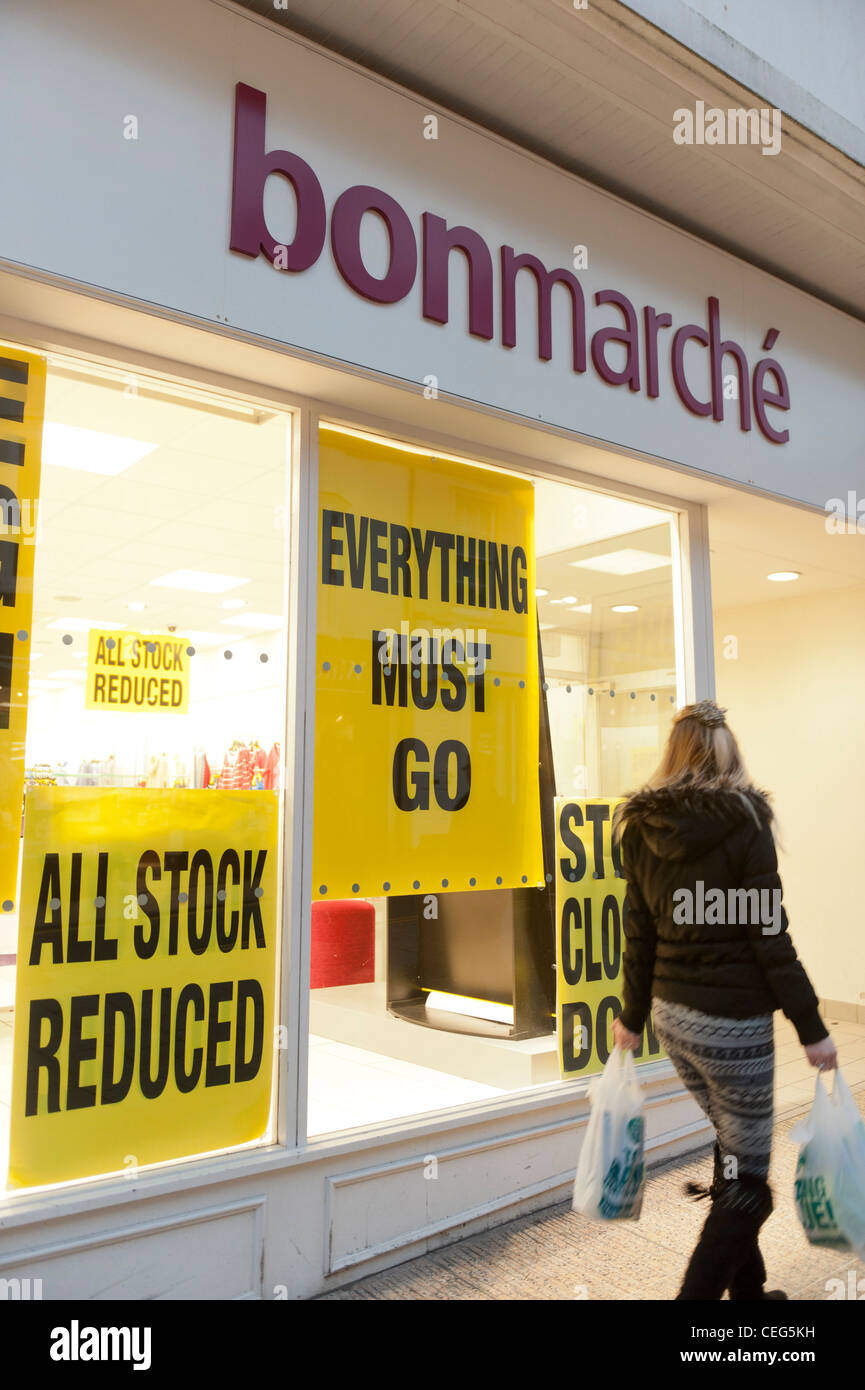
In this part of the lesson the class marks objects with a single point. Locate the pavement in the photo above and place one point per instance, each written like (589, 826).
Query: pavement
(558, 1254)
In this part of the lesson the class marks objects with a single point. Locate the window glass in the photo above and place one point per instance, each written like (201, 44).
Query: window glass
(430, 992)
(139, 951)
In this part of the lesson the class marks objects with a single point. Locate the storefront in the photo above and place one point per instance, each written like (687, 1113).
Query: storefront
(368, 567)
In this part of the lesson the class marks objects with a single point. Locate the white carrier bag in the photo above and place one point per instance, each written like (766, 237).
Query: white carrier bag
(829, 1187)
(610, 1174)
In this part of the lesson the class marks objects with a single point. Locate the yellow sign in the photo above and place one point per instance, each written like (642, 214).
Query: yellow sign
(426, 713)
(145, 982)
(137, 671)
(590, 940)
(22, 406)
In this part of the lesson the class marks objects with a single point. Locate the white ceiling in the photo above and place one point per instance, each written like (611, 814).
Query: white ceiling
(211, 497)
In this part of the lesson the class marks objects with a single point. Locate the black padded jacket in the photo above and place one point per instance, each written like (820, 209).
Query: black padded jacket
(680, 942)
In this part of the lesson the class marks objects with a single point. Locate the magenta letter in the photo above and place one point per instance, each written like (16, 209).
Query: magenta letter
(438, 242)
(717, 351)
(762, 398)
(345, 220)
(628, 336)
(252, 166)
(545, 279)
(680, 338)
(653, 322)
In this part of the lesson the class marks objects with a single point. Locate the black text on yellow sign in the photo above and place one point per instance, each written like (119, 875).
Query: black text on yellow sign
(135, 671)
(590, 939)
(145, 981)
(426, 722)
(22, 406)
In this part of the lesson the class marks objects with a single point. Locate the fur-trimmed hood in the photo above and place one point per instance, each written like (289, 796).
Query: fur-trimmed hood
(685, 822)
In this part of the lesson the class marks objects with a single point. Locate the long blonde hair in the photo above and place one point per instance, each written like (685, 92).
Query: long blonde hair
(701, 755)
(701, 752)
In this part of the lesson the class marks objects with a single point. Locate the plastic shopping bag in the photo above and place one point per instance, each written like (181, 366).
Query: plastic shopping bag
(610, 1174)
(830, 1173)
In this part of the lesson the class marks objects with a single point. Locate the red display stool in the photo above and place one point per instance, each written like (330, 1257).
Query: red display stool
(343, 944)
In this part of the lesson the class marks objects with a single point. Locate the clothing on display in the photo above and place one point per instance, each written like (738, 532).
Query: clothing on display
(159, 774)
(271, 769)
(200, 768)
(246, 767)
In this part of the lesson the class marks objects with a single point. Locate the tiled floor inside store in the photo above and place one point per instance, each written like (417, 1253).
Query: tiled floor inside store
(349, 1086)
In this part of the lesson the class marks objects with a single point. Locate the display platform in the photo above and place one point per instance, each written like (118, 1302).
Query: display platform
(357, 1015)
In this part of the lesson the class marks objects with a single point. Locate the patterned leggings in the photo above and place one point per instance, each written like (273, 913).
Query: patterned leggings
(728, 1066)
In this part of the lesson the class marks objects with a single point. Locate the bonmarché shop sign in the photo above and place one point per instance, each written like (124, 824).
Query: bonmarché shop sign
(755, 393)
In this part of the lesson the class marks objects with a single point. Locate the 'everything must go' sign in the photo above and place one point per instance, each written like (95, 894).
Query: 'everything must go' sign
(426, 715)
(145, 980)
(590, 937)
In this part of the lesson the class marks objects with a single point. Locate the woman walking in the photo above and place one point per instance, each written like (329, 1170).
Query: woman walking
(708, 951)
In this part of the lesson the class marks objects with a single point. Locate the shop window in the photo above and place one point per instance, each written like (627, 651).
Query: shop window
(442, 773)
(140, 931)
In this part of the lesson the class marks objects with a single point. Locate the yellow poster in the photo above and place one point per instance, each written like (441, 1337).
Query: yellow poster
(22, 407)
(426, 712)
(590, 941)
(145, 979)
(138, 672)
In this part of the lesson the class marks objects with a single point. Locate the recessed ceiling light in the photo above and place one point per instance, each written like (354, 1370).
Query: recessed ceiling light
(85, 624)
(91, 451)
(625, 608)
(625, 561)
(136, 607)
(784, 576)
(199, 581)
(233, 603)
(68, 674)
(270, 621)
(583, 608)
(67, 598)
(541, 593)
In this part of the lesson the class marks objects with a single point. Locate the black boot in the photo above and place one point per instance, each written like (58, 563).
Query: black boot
(749, 1279)
(739, 1208)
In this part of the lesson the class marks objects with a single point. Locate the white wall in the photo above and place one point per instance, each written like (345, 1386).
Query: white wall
(795, 697)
